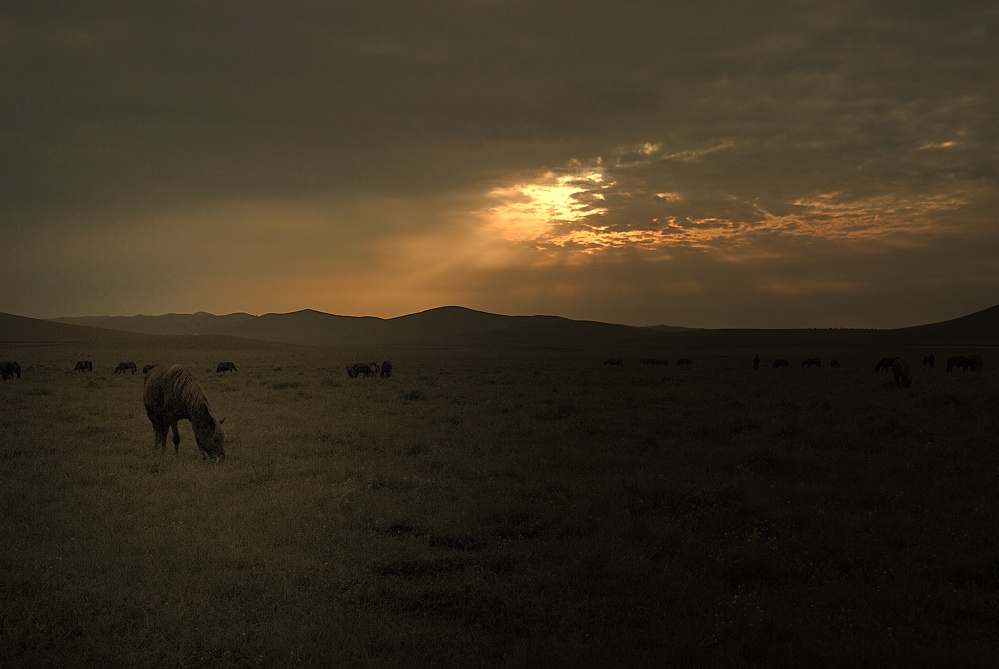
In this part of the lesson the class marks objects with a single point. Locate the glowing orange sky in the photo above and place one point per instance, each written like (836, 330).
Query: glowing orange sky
(828, 164)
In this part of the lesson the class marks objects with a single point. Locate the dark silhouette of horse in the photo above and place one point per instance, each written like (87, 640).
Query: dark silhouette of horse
(900, 368)
(834, 363)
(10, 369)
(756, 361)
(686, 362)
(653, 361)
(780, 362)
(84, 365)
(961, 361)
(171, 394)
(811, 362)
(884, 364)
(225, 367)
(359, 369)
(124, 367)
(614, 361)
(146, 368)
(929, 360)
(386, 369)
(965, 362)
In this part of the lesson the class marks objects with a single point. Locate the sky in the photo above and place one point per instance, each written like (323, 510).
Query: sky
(774, 163)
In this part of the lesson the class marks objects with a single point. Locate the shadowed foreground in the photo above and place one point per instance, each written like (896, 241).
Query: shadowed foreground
(502, 512)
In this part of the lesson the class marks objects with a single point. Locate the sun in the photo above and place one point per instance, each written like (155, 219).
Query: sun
(534, 211)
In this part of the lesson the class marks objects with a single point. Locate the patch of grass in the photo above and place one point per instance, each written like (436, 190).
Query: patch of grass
(497, 511)
(284, 385)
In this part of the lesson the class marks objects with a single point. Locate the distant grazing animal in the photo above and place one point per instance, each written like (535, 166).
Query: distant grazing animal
(884, 364)
(375, 369)
(653, 361)
(172, 394)
(386, 369)
(686, 362)
(614, 361)
(961, 361)
(146, 368)
(929, 360)
(965, 362)
(84, 365)
(900, 368)
(225, 367)
(359, 369)
(780, 362)
(811, 362)
(834, 363)
(10, 369)
(124, 367)
(756, 361)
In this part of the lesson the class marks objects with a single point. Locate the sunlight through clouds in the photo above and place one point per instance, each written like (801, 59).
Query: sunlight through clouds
(533, 212)
(625, 201)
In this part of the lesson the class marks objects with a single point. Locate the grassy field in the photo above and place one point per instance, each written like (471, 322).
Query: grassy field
(502, 510)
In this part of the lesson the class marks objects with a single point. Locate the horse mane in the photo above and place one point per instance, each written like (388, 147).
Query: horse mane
(196, 402)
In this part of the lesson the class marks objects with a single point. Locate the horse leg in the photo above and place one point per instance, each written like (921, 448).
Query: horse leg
(160, 429)
(176, 438)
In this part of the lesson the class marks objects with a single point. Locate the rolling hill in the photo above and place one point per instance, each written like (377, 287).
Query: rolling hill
(444, 327)
(458, 327)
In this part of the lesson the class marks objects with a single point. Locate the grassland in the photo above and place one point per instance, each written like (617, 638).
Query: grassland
(501, 509)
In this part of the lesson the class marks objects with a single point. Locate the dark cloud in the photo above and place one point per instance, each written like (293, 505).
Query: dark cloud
(722, 132)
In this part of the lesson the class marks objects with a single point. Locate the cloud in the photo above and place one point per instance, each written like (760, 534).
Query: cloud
(446, 150)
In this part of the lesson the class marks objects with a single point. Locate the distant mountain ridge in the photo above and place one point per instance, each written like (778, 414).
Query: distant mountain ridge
(459, 327)
(442, 326)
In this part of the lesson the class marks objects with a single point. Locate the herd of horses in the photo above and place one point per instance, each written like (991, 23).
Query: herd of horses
(171, 393)
(11, 369)
(122, 368)
(965, 362)
(369, 369)
(896, 365)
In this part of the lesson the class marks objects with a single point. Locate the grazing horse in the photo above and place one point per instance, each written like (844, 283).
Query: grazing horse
(965, 362)
(225, 367)
(653, 361)
(171, 394)
(929, 360)
(614, 361)
(884, 364)
(146, 368)
(124, 367)
(900, 368)
(961, 361)
(84, 365)
(386, 369)
(811, 362)
(780, 362)
(10, 369)
(686, 362)
(359, 369)
(834, 363)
